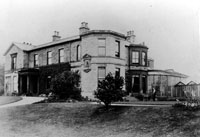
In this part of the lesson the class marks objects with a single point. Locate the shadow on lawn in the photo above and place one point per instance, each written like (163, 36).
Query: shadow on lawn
(108, 114)
(146, 120)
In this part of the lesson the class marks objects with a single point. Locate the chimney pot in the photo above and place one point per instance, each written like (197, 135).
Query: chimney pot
(56, 36)
(84, 28)
(131, 36)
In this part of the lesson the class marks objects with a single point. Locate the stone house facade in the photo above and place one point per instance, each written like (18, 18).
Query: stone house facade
(94, 53)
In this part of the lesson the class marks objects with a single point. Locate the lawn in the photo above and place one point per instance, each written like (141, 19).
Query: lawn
(87, 120)
(9, 99)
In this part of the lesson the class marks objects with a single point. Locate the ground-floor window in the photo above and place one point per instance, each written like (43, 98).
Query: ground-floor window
(101, 73)
(117, 72)
(8, 84)
(15, 87)
(48, 82)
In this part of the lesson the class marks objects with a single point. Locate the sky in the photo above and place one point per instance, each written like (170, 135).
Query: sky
(170, 28)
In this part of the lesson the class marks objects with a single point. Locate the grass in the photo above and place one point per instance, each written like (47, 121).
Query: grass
(9, 99)
(87, 120)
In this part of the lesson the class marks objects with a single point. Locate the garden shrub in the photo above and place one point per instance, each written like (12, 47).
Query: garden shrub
(110, 89)
(66, 85)
(191, 103)
(138, 96)
(1, 92)
(162, 98)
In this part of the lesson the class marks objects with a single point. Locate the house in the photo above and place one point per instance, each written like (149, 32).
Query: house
(94, 53)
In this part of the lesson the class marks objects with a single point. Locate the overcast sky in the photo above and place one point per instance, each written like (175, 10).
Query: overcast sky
(169, 28)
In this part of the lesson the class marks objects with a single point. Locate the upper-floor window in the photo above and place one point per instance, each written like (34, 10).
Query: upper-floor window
(13, 61)
(101, 73)
(117, 48)
(78, 53)
(61, 55)
(135, 57)
(36, 60)
(143, 58)
(117, 72)
(102, 47)
(49, 57)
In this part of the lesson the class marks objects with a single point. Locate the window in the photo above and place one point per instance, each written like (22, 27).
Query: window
(61, 55)
(117, 49)
(144, 58)
(8, 84)
(78, 53)
(36, 60)
(49, 57)
(15, 88)
(13, 61)
(117, 72)
(135, 57)
(48, 84)
(102, 47)
(101, 73)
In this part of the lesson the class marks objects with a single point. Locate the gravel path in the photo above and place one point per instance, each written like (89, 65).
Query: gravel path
(24, 101)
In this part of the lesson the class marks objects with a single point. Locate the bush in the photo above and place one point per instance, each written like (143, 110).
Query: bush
(138, 96)
(191, 103)
(1, 92)
(110, 89)
(162, 98)
(66, 85)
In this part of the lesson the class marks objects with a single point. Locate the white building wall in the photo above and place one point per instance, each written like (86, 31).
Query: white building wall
(89, 80)
(10, 85)
(20, 58)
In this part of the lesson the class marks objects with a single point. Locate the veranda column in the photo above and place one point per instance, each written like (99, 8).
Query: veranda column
(38, 85)
(28, 84)
(20, 84)
(146, 84)
(141, 85)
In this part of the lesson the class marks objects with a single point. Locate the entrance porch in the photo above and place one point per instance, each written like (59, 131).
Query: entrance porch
(138, 82)
(29, 82)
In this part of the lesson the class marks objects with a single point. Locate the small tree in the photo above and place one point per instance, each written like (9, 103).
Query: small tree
(66, 85)
(110, 89)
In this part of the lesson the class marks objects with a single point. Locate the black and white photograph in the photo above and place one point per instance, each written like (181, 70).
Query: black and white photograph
(99, 68)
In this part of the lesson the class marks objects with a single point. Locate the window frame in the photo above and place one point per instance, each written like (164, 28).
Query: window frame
(117, 71)
(144, 63)
(36, 62)
(48, 82)
(103, 46)
(101, 78)
(60, 58)
(49, 58)
(117, 52)
(15, 88)
(14, 61)
(135, 59)
(78, 51)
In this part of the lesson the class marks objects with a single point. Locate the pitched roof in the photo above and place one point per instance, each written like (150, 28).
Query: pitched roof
(22, 46)
(26, 47)
(164, 72)
(180, 84)
(56, 42)
(191, 83)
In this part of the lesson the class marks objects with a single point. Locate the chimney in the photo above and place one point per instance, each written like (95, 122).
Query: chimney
(56, 36)
(84, 28)
(130, 36)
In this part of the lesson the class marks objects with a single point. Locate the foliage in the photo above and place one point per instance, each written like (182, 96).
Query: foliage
(50, 70)
(66, 85)
(138, 96)
(191, 103)
(110, 89)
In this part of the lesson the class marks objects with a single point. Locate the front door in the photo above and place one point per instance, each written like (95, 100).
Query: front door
(135, 84)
